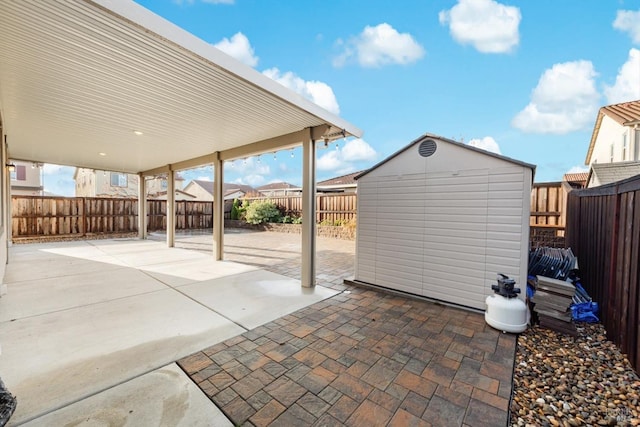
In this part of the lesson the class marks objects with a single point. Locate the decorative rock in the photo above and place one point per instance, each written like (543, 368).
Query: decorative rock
(564, 381)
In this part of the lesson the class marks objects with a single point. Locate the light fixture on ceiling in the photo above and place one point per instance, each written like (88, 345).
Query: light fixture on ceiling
(292, 153)
(102, 154)
(274, 156)
(138, 132)
(259, 161)
(11, 167)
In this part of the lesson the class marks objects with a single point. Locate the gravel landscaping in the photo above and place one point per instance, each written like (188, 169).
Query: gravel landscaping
(564, 381)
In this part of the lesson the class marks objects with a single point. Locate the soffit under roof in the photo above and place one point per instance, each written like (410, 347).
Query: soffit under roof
(78, 78)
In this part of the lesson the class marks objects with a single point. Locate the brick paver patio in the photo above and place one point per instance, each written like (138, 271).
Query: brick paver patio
(361, 358)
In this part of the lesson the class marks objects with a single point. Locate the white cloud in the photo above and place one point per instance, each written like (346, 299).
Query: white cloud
(331, 160)
(578, 169)
(239, 48)
(318, 92)
(253, 180)
(247, 166)
(487, 25)
(380, 45)
(343, 159)
(627, 86)
(58, 179)
(565, 100)
(357, 150)
(487, 143)
(629, 21)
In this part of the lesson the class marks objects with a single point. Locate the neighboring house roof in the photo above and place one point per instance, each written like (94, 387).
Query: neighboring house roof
(227, 188)
(625, 113)
(450, 141)
(277, 186)
(184, 193)
(576, 180)
(576, 177)
(343, 181)
(612, 172)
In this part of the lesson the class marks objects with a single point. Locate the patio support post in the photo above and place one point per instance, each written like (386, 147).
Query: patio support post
(308, 279)
(142, 207)
(218, 208)
(171, 208)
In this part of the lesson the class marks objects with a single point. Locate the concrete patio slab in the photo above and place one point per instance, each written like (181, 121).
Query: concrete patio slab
(165, 396)
(196, 270)
(253, 298)
(54, 359)
(76, 322)
(40, 296)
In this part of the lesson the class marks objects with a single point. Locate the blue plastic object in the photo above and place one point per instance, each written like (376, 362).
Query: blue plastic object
(585, 312)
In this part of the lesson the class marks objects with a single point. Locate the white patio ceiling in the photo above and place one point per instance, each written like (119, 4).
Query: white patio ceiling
(77, 78)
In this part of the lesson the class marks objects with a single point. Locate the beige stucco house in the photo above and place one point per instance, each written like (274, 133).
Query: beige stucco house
(614, 150)
(26, 178)
(203, 190)
(97, 183)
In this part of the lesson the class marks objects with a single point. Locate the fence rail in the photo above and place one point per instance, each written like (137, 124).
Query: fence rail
(604, 232)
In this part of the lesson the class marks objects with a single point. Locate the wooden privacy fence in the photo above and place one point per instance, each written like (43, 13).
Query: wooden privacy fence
(547, 204)
(604, 232)
(548, 214)
(61, 216)
(38, 216)
(330, 208)
(190, 215)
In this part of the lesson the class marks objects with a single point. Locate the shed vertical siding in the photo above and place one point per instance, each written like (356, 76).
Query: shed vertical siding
(444, 226)
(455, 234)
(366, 232)
(400, 226)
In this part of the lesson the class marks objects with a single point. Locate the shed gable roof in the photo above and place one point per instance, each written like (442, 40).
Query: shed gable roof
(427, 136)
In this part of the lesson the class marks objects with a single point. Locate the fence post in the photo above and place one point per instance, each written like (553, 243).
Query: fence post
(84, 216)
(612, 312)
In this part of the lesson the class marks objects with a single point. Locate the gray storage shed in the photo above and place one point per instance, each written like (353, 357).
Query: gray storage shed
(440, 219)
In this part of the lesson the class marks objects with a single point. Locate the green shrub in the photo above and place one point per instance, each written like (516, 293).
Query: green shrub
(235, 210)
(288, 219)
(263, 211)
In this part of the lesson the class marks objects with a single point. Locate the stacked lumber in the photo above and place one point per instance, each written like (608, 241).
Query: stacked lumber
(552, 301)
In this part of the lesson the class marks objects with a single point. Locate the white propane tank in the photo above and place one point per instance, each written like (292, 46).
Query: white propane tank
(505, 311)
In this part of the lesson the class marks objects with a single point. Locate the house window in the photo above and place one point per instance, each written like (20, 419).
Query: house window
(19, 173)
(636, 153)
(163, 184)
(624, 146)
(611, 154)
(118, 179)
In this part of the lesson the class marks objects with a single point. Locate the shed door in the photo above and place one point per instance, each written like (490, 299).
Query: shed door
(454, 237)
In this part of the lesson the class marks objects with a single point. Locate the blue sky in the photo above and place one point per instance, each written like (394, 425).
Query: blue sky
(522, 78)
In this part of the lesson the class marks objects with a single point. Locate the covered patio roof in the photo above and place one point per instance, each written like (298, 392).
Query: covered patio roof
(79, 82)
